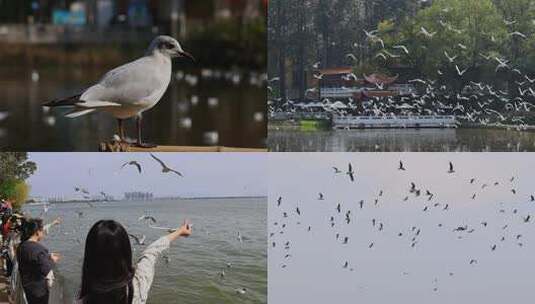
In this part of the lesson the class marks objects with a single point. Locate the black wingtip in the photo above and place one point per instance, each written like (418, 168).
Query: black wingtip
(69, 101)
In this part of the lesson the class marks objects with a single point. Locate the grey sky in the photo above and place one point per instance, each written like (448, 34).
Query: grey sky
(205, 174)
(392, 271)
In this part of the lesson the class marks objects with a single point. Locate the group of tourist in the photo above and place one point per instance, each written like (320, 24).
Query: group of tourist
(109, 275)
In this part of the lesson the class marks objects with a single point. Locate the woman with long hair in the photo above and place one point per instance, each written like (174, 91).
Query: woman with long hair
(35, 262)
(108, 274)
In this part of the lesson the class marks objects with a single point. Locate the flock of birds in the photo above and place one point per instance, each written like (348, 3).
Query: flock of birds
(479, 103)
(344, 220)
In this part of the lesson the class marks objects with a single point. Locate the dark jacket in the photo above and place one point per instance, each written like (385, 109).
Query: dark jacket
(34, 265)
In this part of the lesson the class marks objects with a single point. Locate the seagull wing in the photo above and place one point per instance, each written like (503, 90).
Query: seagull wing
(176, 172)
(158, 160)
(132, 83)
(137, 165)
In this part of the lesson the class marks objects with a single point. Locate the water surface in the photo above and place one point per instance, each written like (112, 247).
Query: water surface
(191, 275)
(403, 140)
(221, 108)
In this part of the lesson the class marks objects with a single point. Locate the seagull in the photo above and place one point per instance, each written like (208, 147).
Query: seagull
(450, 59)
(459, 72)
(350, 172)
(132, 163)
(131, 89)
(320, 197)
(403, 48)
(139, 240)
(427, 33)
(519, 34)
(147, 217)
(451, 168)
(336, 170)
(170, 230)
(401, 166)
(165, 168)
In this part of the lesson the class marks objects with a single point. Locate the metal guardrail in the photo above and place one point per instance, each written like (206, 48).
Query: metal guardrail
(364, 122)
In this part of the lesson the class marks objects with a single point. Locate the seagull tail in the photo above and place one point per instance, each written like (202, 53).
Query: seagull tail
(79, 112)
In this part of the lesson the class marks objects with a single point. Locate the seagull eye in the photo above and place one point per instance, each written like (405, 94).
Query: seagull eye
(167, 45)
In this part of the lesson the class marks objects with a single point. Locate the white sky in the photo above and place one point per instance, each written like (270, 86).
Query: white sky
(205, 174)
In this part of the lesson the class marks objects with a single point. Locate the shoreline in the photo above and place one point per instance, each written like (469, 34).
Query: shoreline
(153, 199)
(295, 126)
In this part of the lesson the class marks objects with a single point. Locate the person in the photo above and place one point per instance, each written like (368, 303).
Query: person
(35, 263)
(108, 275)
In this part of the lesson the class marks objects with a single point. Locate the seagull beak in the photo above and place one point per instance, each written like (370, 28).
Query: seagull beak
(186, 54)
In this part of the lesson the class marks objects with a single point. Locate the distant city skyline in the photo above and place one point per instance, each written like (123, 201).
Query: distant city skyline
(205, 174)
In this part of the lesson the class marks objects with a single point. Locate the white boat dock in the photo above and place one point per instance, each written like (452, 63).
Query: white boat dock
(387, 122)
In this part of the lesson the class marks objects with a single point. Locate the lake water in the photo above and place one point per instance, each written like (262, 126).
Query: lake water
(403, 140)
(191, 275)
(221, 109)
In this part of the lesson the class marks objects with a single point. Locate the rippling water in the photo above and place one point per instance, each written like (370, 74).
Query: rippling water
(405, 140)
(191, 275)
(225, 111)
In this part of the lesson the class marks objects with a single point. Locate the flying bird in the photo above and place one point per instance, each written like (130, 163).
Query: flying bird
(165, 168)
(451, 168)
(133, 163)
(350, 172)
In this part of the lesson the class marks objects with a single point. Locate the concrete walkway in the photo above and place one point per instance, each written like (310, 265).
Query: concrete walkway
(4, 285)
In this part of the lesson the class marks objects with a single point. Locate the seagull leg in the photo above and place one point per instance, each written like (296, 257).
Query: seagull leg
(140, 142)
(120, 129)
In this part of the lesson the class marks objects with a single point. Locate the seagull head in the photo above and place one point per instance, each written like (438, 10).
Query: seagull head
(168, 46)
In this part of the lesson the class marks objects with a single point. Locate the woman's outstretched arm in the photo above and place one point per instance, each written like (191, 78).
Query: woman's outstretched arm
(145, 267)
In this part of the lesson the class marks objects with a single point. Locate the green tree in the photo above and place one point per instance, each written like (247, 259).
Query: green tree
(463, 29)
(15, 168)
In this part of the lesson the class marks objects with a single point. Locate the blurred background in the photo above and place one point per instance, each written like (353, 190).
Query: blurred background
(51, 49)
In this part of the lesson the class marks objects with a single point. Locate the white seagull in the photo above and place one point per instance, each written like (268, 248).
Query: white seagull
(131, 89)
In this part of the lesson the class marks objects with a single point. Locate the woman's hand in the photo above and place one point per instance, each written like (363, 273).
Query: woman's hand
(185, 229)
(182, 231)
(55, 257)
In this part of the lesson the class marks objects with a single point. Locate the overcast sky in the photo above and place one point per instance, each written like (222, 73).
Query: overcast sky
(205, 174)
(392, 271)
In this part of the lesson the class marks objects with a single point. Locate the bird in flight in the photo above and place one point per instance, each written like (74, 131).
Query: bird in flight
(147, 218)
(133, 163)
(131, 89)
(350, 172)
(165, 168)
(451, 168)
(401, 166)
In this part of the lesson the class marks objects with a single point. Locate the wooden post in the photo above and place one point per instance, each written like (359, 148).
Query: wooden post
(124, 147)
